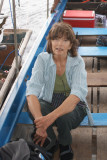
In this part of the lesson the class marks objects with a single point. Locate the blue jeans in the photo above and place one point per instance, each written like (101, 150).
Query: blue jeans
(64, 123)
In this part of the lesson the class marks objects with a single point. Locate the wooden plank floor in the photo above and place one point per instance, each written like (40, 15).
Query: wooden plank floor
(82, 145)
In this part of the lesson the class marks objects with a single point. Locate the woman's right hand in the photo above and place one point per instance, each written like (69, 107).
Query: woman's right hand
(40, 136)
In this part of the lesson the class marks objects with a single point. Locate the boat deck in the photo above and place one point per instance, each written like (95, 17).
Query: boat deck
(82, 144)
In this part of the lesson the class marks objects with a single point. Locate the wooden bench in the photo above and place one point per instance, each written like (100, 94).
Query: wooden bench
(100, 119)
(90, 31)
(98, 79)
(98, 52)
(88, 36)
(93, 52)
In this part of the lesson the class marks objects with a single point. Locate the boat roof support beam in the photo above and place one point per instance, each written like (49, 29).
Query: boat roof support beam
(1, 4)
(15, 37)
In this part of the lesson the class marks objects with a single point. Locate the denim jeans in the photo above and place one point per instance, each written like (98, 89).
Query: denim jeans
(64, 123)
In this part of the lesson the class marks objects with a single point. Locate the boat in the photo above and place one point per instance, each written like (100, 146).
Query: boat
(12, 45)
(13, 106)
(7, 60)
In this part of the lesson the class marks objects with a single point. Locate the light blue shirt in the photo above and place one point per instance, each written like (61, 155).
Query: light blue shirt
(41, 83)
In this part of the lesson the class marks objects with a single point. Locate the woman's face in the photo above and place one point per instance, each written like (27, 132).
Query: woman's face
(60, 46)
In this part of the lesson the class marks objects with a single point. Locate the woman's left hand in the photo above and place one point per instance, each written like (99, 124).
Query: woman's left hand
(43, 122)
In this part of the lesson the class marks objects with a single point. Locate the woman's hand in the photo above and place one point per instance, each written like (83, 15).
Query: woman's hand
(44, 121)
(40, 136)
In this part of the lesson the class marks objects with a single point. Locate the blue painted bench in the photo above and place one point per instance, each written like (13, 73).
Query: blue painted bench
(99, 119)
(90, 31)
(93, 52)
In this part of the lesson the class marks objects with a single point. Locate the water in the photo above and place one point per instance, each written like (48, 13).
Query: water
(31, 14)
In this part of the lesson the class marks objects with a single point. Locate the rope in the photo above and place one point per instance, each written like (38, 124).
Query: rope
(7, 57)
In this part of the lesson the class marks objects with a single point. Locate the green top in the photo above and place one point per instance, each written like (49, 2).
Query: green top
(61, 85)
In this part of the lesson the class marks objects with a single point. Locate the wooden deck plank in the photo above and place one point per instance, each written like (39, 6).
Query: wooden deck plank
(101, 143)
(82, 143)
(97, 79)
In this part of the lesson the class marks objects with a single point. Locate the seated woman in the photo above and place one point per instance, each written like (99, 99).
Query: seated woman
(57, 90)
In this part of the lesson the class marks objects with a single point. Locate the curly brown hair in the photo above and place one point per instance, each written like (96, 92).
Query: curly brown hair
(59, 30)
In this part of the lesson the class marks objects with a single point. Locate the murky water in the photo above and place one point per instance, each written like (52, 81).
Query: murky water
(30, 14)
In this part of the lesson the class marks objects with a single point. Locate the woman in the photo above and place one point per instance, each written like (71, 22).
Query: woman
(57, 90)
